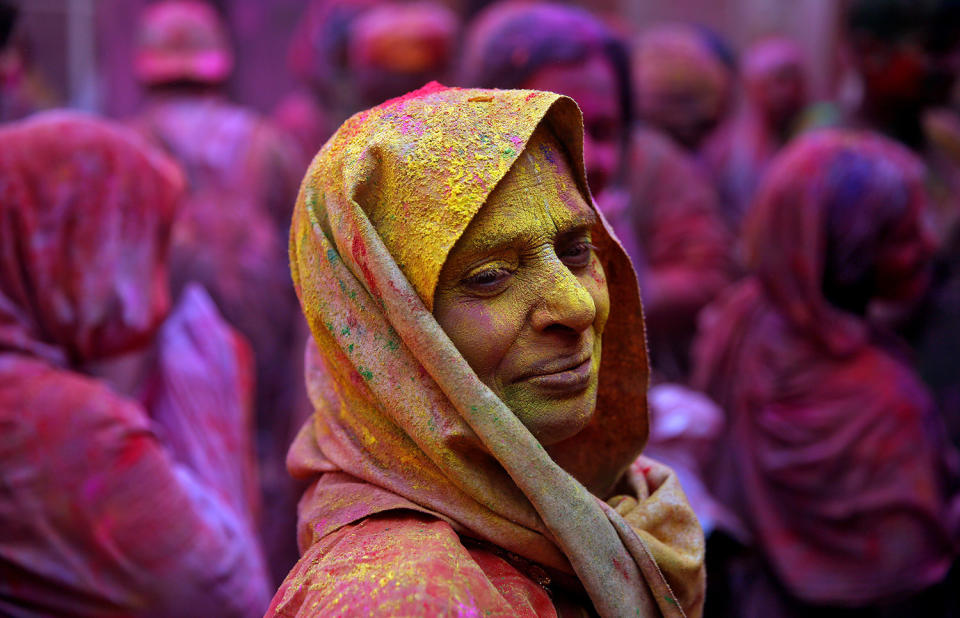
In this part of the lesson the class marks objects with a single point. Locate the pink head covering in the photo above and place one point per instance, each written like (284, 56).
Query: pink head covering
(182, 40)
(85, 214)
(835, 175)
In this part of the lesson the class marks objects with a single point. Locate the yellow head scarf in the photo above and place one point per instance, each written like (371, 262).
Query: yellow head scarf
(397, 406)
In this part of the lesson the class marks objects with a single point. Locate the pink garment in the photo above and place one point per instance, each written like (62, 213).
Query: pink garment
(685, 430)
(833, 456)
(110, 507)
(230, 236)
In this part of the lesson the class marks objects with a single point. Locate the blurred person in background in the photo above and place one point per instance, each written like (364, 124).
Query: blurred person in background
(395, 48)
(774, 82)
(242, 179)
(115, 505)
(907, 56)
(354, 54)
(22, 90)
(683, 81)
(663, 208)
(833, 455)
(317, 57)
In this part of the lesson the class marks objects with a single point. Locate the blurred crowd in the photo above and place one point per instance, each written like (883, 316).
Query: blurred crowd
(799, 262)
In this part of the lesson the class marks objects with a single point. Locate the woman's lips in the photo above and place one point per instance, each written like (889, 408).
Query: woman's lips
(570, 380)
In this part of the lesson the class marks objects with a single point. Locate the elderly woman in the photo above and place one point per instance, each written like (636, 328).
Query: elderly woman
(833, 456)
(479, 377)
(112, 506)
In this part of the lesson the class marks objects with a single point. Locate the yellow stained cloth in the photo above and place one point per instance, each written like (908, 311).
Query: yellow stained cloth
(399, 408)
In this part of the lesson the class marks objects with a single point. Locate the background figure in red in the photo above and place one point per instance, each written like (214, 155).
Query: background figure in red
(660, 204)
(398, 47)
(230, 235)
(774, 96)
(683, 85)
(354, 54)
(317, 58)
(114, 507)
(834, 456)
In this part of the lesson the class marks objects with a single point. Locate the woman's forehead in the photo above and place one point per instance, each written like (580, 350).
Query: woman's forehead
(536, 201)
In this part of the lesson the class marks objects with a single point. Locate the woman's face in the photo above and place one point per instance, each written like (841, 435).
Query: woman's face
(524, 298)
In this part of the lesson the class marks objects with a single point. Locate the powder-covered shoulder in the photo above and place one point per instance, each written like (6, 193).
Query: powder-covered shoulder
(401, 564)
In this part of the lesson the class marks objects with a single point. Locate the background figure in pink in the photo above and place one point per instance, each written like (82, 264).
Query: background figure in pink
(661, 205)
(683, 85)
(230, 235)
(774, 96)
(113, 506)
(834, 456)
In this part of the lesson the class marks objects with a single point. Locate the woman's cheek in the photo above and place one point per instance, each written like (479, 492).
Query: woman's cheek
(484, 335)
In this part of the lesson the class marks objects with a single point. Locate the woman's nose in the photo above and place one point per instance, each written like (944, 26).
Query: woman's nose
(563, 300)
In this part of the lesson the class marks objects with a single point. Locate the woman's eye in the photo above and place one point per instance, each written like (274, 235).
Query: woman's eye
(489, 280)
(577, 255)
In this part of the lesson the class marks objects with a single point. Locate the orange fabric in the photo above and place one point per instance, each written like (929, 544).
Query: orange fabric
(397, 407)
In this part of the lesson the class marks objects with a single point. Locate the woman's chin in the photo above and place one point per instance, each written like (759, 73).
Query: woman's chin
(557, 419)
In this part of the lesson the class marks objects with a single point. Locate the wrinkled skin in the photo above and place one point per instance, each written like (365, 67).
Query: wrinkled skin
(523, 296)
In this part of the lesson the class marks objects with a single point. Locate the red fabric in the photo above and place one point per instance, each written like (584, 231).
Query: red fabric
(832, 455)
(106, 511)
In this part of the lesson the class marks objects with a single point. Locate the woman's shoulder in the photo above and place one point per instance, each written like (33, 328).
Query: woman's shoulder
(401, 564)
